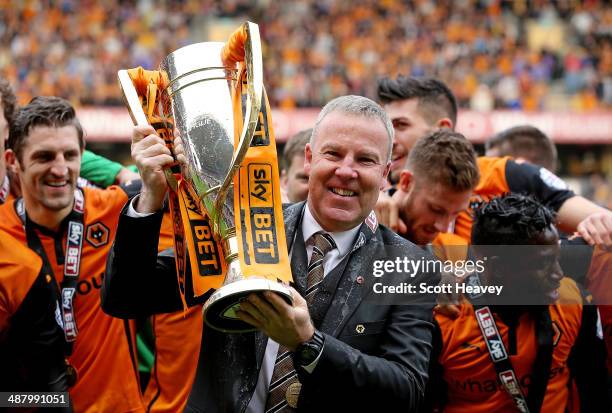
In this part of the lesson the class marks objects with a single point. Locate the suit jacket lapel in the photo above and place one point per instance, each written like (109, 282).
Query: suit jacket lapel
(296, 246)
(293, 217)
(341, 293)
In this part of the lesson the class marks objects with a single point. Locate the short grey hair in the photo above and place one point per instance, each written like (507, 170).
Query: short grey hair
(358, 106)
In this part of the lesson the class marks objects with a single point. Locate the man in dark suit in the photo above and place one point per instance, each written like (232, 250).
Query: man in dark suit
(338, 346)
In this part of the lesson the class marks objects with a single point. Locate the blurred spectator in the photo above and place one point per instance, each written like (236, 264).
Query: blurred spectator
(519, 54)
(598, 189)
(293, 178)
(524, 143)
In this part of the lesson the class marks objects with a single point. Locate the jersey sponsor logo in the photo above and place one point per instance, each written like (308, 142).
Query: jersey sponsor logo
(510, 382)
(89, 285)
(97, 234)
(70, 328)
(73, 249)
(492, 385)
(492, 337)
(261, 203)
(552, 180)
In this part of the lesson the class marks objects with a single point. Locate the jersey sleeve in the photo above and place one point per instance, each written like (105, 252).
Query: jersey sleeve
(19, 268)
(99, 170)
(32, 344)
(539, 182)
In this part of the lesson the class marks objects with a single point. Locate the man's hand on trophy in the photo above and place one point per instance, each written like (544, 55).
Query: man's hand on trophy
(151, 156)
(179, 150)
(289, 325)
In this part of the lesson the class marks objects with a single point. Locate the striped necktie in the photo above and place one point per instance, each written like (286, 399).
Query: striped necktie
(285, 387)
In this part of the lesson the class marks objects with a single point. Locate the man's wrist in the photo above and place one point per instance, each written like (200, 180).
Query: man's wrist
(310, 351)
(308, 334)
(148, 203)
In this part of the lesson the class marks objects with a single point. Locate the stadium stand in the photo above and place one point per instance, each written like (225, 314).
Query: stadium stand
(528, 55)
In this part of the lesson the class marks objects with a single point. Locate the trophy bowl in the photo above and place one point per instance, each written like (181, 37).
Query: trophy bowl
(199, 94)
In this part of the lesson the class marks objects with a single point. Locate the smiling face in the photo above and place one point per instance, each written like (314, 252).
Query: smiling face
(410, 125)
(347, 166)
(49, 167)
(530, 273)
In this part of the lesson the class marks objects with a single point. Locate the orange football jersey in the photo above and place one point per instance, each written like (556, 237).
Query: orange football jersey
(107, 377)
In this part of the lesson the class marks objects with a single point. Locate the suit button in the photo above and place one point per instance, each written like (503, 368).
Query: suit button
(359, 328)
(359, 280)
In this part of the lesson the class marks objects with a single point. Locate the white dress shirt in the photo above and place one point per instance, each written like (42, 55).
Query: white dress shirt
(344, 243)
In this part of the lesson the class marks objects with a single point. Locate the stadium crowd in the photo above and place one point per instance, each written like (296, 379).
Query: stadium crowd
(529, 55)
(88, 268)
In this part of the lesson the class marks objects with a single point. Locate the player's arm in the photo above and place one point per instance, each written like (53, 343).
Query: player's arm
(126, 175)
(591, 221)
(104, 172)
(574, 213)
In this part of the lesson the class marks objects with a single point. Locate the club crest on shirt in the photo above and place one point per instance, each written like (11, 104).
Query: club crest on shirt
(97, 234)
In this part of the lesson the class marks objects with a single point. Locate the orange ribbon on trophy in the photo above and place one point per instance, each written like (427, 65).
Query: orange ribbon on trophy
(224, 241)
(260, 227)
(194, 243)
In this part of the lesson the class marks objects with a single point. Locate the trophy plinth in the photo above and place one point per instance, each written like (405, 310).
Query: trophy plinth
(220, 309)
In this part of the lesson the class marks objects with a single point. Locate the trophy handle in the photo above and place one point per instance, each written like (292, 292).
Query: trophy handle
(254, 67)
(132, 101)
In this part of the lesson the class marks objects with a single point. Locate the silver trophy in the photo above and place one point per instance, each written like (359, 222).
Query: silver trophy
(201, 106)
